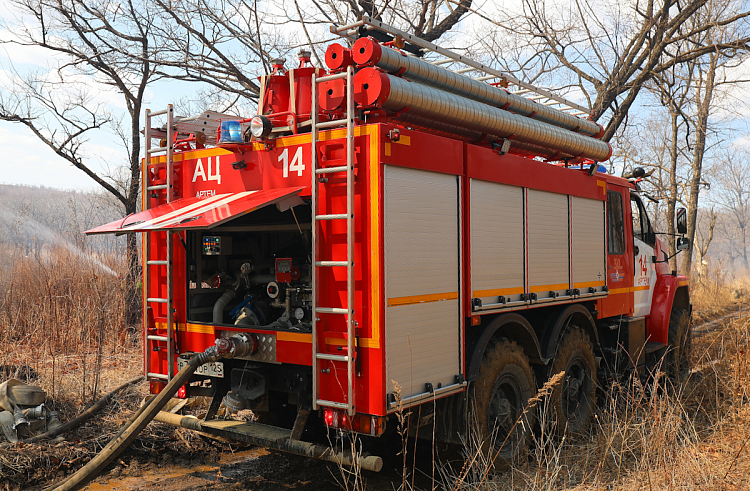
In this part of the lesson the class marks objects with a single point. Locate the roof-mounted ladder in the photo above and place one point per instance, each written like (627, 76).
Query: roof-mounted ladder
(153, 341)
(489, 74)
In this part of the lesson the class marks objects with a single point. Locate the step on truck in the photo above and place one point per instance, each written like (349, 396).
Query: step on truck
(404, 227)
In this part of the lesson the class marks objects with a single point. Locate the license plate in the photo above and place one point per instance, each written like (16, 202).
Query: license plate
(215, 369)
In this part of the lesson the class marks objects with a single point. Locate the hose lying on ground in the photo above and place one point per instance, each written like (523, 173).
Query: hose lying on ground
(84, 416)
(224, 348)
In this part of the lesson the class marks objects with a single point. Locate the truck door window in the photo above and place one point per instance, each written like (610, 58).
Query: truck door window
(641, 224)
(635, 212)
(616, 224)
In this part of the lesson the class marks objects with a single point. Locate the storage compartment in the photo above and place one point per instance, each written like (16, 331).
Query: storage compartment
(253, 270)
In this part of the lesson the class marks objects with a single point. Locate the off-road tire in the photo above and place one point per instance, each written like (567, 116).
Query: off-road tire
(680, 341)
(573, 398)
(502, 390)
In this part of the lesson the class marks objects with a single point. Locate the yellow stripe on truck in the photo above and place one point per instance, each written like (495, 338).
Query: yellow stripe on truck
(414, 299)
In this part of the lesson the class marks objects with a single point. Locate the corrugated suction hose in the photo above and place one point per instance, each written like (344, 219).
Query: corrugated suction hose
(224, 348)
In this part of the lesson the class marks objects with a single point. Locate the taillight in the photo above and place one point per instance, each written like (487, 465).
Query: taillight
(359, 423)
(181, 393)
(156, 386)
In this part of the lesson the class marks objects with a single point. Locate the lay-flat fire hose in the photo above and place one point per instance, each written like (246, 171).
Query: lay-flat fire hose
(224, 348)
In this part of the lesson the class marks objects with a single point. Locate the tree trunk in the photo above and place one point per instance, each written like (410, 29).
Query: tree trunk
(697, 167)
(133, 285)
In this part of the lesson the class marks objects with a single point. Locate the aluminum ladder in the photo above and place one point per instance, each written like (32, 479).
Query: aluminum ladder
(152, 339)
(487, 73)
(319, 178)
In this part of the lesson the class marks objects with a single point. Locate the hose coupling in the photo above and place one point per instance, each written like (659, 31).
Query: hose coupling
(236, 346)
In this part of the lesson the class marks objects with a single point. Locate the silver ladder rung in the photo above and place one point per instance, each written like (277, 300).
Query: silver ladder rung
(152, 337)
(443, 61)
(338, 216)
(330, 264)
(157, 187)
(337, 405)
(335, 76)
(158, 375)
(331, 124)
(156, 150)
(326, 356)
(157, 263)
(465, 70)
(330, 170)
(157, 300)
(159, 113)
(331, 310)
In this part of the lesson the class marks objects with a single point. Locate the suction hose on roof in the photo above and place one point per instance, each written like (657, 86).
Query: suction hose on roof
(224, 348)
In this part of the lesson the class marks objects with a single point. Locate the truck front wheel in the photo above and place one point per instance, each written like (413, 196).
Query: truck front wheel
(500, 398)
(573, 397)
(680, 344)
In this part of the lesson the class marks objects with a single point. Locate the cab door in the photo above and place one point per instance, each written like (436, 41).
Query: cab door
(619, 255)
(644, 242)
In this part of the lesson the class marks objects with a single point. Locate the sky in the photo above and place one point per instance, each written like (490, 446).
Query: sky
(29, 161)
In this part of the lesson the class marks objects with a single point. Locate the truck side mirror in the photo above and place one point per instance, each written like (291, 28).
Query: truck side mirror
(682, 221)
(683, 243)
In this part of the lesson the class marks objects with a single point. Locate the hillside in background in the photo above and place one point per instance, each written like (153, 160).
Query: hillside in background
(33, 219)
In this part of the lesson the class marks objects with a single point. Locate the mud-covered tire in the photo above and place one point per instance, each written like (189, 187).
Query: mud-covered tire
(574, 396)
(680, 345)
(500, 396)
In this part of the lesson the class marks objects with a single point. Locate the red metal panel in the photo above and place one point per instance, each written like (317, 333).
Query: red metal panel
(657, 324)
(423, 151)
(486, 164)
(195, 213)
(466, 253)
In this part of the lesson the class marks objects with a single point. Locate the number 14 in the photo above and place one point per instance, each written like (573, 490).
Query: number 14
(297, 164)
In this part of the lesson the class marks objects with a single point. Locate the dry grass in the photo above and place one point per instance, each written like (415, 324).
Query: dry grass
(62, 325)
(695, 435)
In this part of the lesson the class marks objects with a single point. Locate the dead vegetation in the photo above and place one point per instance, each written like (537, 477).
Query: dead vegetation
(661, 435)
(62, 328)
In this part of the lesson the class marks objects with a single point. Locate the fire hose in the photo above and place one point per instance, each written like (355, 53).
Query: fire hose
(224, 348)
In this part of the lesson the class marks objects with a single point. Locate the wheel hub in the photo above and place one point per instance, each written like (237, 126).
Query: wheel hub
(504, 409)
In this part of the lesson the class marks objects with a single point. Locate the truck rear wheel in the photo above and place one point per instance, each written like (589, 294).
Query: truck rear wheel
(573, 397)
(500, 396)
(680, 345)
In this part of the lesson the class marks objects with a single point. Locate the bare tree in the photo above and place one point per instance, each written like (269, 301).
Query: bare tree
(612, 51)
(732, 192)
(704, 235)
(99, 42)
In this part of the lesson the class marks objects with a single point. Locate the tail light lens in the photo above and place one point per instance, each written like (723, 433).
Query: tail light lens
(181, 393)
(359, 423)
(156, 386)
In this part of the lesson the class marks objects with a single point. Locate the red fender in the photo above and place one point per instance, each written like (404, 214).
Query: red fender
(657, 324)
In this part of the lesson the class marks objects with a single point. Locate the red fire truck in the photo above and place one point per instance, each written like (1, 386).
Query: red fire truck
(390, 233)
